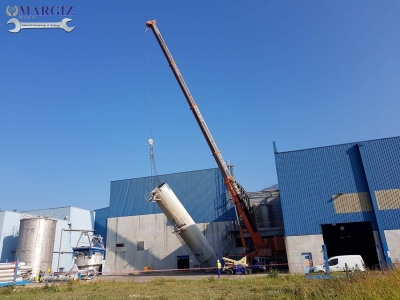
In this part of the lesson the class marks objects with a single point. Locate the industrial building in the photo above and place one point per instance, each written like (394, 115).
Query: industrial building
(64, 228)
(138, 234)
(345, 196)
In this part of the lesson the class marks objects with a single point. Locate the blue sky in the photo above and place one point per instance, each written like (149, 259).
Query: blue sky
(74, 116)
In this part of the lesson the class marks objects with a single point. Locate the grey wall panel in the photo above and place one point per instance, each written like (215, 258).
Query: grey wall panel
(56, 213)
(161, 246)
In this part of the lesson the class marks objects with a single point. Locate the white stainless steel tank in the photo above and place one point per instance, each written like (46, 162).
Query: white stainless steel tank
(184, 224)
(83, 261)
(36, 243)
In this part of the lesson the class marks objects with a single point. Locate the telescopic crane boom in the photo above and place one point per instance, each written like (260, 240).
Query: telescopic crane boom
(239, 196)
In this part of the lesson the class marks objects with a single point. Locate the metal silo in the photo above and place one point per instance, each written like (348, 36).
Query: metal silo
(183, 224)
(36, 243)
(263, 215)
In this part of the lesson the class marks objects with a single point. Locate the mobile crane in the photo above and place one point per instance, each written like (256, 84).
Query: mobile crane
(240, 198)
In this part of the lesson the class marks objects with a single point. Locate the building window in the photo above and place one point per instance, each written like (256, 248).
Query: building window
(140, 245)
(120, 247)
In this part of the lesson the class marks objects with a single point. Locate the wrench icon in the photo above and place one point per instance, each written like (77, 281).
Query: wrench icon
(27, 25)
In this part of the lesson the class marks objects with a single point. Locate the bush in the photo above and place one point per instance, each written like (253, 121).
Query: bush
(159, 281)
(51, 288)
(210, 278)
(273, 273)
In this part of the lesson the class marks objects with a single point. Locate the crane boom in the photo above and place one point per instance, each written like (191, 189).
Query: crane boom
(239, 196)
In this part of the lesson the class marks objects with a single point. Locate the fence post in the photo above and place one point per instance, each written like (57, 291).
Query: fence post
(16, 271)
(347, 271)
(327, 271)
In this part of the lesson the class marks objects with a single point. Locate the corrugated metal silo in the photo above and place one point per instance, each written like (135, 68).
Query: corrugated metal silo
(36, 243)
(263, 215)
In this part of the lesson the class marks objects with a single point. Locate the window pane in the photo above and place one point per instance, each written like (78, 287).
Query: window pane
(140, 245)
(333, 262)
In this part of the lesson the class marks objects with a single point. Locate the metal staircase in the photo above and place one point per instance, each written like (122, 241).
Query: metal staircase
(229, 239)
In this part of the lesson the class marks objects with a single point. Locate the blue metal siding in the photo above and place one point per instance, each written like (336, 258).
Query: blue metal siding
(9, 235)
(391, 218)
(384, 161)
(81, 218)
(2, 216)
(100, 224)
(78, 217)
(69, 240)
(309, 178)
(202, 193)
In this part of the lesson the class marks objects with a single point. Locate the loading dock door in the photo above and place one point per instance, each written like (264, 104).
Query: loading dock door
(351, 239)
(183, 262)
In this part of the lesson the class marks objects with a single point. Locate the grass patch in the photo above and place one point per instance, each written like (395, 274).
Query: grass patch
(360, 285)
(159, 281)
(273, 273)
(53, 288)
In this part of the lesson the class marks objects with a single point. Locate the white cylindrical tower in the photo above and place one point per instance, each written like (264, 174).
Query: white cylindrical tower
(184, 224)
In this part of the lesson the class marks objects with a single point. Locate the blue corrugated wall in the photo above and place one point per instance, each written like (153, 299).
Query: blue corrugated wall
(100, 223)
(202, 193)
(384, 161)
(308, 179)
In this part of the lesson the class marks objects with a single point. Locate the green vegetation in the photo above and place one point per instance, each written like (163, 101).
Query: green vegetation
(360, 285)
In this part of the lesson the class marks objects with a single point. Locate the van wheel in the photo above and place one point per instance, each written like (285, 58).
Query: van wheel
(247, 272)
(229, 272)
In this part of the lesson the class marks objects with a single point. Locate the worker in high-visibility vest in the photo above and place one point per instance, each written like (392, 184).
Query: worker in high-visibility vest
(219, 266)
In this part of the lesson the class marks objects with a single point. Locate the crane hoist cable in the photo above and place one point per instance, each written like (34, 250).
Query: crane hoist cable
(154, 179)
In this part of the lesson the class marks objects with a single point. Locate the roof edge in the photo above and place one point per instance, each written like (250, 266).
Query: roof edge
(349, 143)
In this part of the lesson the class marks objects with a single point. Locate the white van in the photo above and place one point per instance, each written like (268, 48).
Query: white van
(338, 264)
